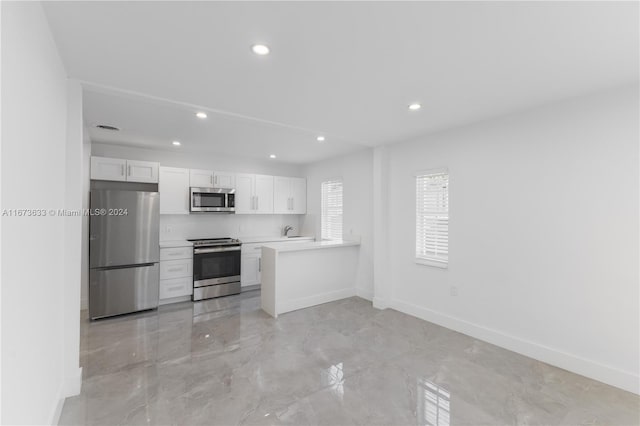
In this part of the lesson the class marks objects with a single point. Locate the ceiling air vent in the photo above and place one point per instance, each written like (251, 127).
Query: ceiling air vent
(106, 127)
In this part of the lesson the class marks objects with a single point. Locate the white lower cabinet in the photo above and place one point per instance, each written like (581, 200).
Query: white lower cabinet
(175, 268)
(176, 272)
(251, 260)
(176, 287)
(250, 264)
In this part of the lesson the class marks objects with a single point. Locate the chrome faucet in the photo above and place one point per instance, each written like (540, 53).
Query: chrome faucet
(287, 229)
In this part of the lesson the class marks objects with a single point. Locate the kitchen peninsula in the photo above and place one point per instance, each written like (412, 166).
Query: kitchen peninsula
(297, 276)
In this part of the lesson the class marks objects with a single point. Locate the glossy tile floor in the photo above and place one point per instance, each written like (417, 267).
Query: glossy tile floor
(225, 362)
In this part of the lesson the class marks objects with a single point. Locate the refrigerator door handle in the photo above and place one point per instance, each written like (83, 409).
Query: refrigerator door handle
(135, 265)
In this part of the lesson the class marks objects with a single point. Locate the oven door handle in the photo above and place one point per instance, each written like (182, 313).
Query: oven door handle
(214, 250)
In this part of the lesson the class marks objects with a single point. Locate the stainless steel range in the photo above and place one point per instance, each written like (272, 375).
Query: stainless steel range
(216, 267)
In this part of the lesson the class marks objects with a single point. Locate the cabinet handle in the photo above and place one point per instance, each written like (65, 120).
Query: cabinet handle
(257, 202)
(211, 179)
(129, 171)
(259, 264)
(291, 203)
(122, 169)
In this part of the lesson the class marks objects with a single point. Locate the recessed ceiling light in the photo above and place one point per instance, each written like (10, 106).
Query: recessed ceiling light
(320, 138)
(272, 156)
(201, 114)
(260, 49)
(415, 106)
(176, 143)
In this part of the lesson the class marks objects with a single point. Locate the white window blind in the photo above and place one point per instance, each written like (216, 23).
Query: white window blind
(332, 210)
(432, 218)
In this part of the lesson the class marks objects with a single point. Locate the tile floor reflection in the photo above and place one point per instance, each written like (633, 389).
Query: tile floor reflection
(225, 362)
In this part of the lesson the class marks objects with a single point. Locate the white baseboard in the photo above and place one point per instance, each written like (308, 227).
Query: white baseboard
(72, 384)
(174, 300)
(305, 302)
(379, 303)
(365, 294)
(70, 387)
(585, 367)
(57, 409)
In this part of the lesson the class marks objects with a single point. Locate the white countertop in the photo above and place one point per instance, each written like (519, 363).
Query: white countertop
(312, 245)
(251, 240)
(244, 240)
(175, 243)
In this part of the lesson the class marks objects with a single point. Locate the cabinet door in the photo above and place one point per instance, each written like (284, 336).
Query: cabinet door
(298, 195)
(180, 268)
(281, 195)
(176, 287)
(224, 180)
(250, 269)
(174, 190)
(142, 171)
(201, 178)
(108, 168)
(264, 194)
(244, 193)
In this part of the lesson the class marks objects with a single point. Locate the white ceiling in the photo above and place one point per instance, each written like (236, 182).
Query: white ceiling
(344, 69)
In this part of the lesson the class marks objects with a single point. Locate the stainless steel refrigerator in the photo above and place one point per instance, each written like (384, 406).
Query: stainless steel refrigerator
(124, 252)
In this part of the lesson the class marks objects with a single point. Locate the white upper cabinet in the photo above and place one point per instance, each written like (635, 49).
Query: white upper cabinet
(244, 193)
(201, 178)
(108, 169)
(224, 180)
(298, 195)
(254, 194)
(174, 190)
(264, 194)
(124, 170)
(281, 195)
(142, 171)
(290, 195)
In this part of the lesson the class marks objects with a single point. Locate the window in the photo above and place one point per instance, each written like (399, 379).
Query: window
(332, 210)
(432, 218)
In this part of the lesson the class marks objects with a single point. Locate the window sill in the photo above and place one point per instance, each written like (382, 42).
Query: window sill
(434, 263)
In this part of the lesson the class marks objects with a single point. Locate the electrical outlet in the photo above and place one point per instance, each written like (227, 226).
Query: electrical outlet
(168, 229)
(454, 290)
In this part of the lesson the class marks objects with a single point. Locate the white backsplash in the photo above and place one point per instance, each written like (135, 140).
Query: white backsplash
(206, 225)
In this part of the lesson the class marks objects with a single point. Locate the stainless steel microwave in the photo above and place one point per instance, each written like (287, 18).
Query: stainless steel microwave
(212, 200)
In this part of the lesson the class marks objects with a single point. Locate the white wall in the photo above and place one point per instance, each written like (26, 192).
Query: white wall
(543, 234)
(36, 351)
(356, 171)
(73, 239)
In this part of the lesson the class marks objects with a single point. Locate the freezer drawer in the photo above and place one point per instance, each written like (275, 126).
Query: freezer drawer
(123, 290)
